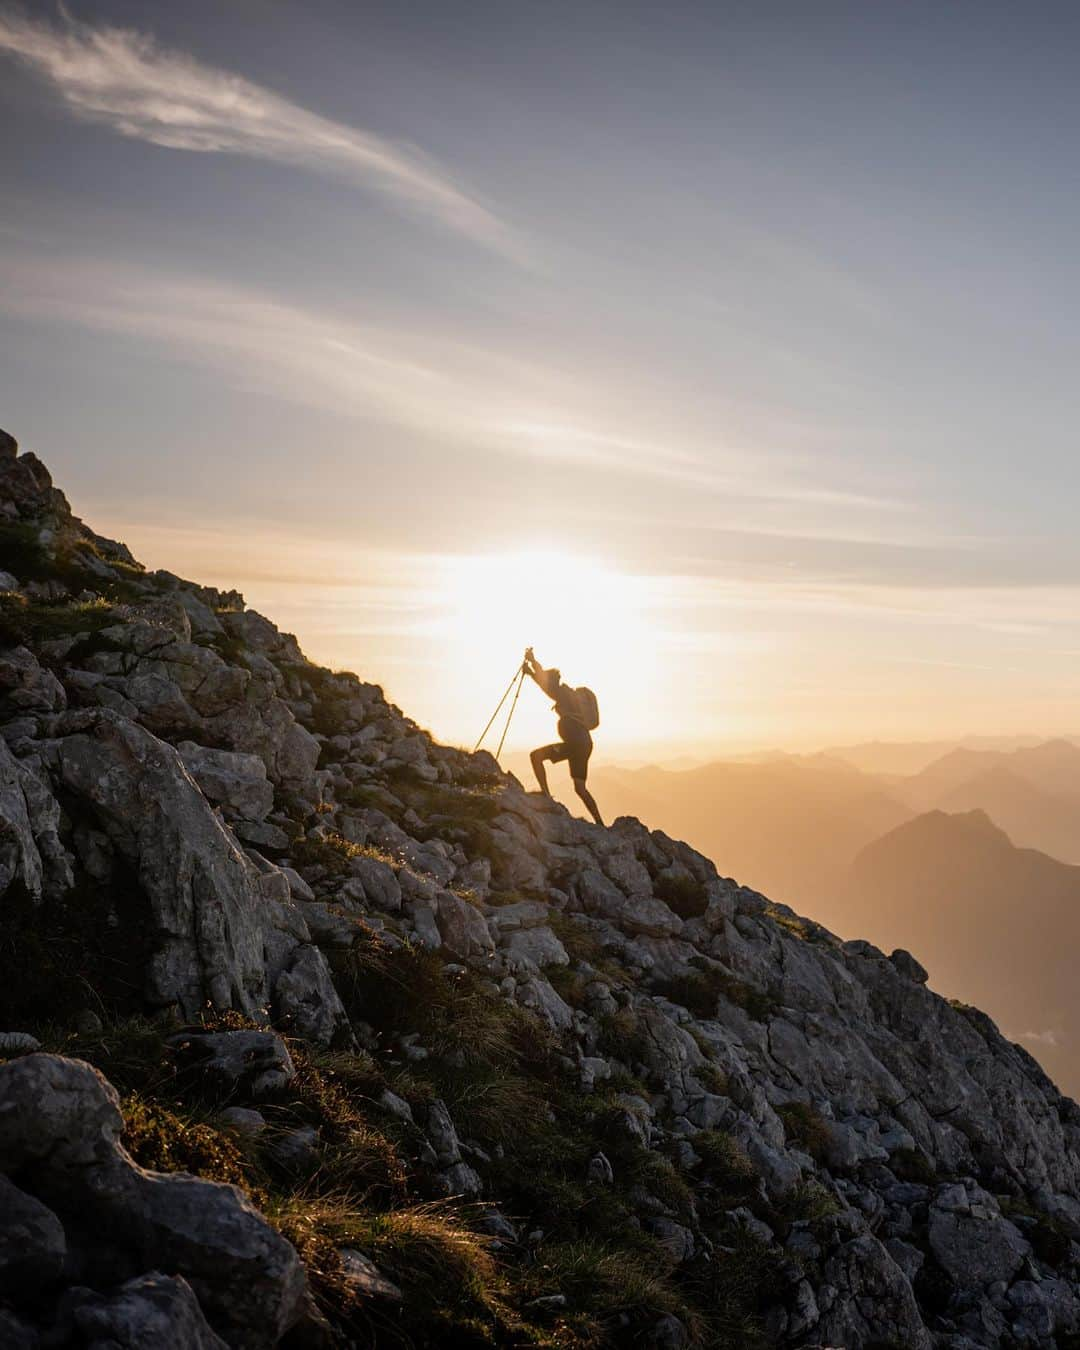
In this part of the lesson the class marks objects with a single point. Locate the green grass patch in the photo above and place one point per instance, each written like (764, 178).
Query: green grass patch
(809, 1200)
(701, 989)
(333, 853)
(580, 943)
(455, 1292)
(687, 896)
(711, 1077)
(805, 1128)
(23, 554)
(25, 622)
(911, 1164)
(744, 1278)
(163, 1141)
(569, 984)
(622, 1036)
(726, 1164)
(660, 1178)
(605, 1284)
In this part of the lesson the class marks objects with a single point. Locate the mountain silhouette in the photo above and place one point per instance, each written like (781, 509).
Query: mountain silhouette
(995, 924)
(1033, 793)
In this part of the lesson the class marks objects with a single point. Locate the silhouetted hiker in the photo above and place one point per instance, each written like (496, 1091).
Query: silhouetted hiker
(577, 716)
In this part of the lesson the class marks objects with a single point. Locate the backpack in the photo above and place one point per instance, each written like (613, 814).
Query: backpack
(588, 710)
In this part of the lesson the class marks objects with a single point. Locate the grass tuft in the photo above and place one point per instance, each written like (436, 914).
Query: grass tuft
(162, 1141)
(685, 895)
(805, 1128)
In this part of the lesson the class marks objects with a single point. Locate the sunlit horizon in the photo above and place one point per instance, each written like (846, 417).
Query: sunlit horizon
(443, 634)
(764, 434)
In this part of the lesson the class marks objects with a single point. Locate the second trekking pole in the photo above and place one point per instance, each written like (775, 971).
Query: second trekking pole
(510, 714)
(519, 672)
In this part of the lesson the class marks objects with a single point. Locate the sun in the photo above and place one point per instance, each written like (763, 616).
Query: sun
(578, 613)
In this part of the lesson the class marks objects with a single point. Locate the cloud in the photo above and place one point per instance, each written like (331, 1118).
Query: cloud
(125, 81)
(1050, 1038)
(473, 397)
(482, 405)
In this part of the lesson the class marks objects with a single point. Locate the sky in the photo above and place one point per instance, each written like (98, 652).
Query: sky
(723, 352)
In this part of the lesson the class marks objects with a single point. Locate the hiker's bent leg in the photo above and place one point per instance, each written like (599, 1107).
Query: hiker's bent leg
(587, 797)
(537, 760)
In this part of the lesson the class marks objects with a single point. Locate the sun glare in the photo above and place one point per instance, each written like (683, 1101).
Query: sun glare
(587, 618)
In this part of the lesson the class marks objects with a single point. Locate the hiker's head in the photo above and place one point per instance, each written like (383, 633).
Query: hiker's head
(556, 675)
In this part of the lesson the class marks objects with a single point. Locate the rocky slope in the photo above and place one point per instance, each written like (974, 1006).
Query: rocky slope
(403, 1054)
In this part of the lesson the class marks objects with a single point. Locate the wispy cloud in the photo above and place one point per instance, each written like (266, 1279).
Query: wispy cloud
(473, 397)
(1050, 1038)
(124, 80)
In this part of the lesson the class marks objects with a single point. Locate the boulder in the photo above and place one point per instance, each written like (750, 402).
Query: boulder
(364, 1278)
(32, 1244)
(305, 1001)
(15, 1334)
(26, 687)
(249, 1063)
(676, 1239)
(867, 1300)
(149, 1312)
(217, 939)
(243, 1120)
(537, 993)
(976, 1247)
(442, 1134)
(60, 1123)
(462, 927)
(378, 884)
(530, 949)
(906, 964)
(19, 857)
(18, 1043)
(638, 913)
(236, 781)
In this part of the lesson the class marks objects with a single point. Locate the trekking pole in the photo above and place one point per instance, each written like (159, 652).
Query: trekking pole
(509, 715)
(519, 671)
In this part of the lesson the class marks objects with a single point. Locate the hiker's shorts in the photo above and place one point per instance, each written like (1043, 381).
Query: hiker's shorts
(575, 749)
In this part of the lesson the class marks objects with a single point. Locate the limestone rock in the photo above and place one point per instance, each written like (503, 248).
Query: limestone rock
(19, 856)
(148, 1312)
(237, 781)
(305, 1000)
(871, 1301)
(530, 949)
(18, 1043)
(378, 884)
(461, 926)
(216, 934)
(364, 1278)
(977, 1247)
(60, 1121)
(253, 1063)
(32, 1244)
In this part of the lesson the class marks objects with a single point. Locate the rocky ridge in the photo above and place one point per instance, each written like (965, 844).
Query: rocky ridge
(679, 1114)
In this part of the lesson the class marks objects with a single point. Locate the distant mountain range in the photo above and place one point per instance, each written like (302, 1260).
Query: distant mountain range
(1033, 793)
(996, 925)
(909, 757)
(972, 860)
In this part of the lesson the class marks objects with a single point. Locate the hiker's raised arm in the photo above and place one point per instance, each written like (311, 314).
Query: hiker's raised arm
(548, 680)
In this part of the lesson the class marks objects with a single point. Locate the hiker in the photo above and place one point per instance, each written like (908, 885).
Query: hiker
(577, 715)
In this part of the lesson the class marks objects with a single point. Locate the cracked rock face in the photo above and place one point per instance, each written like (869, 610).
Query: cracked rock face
(60, 1125)
(215, 928)
(268, 817)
